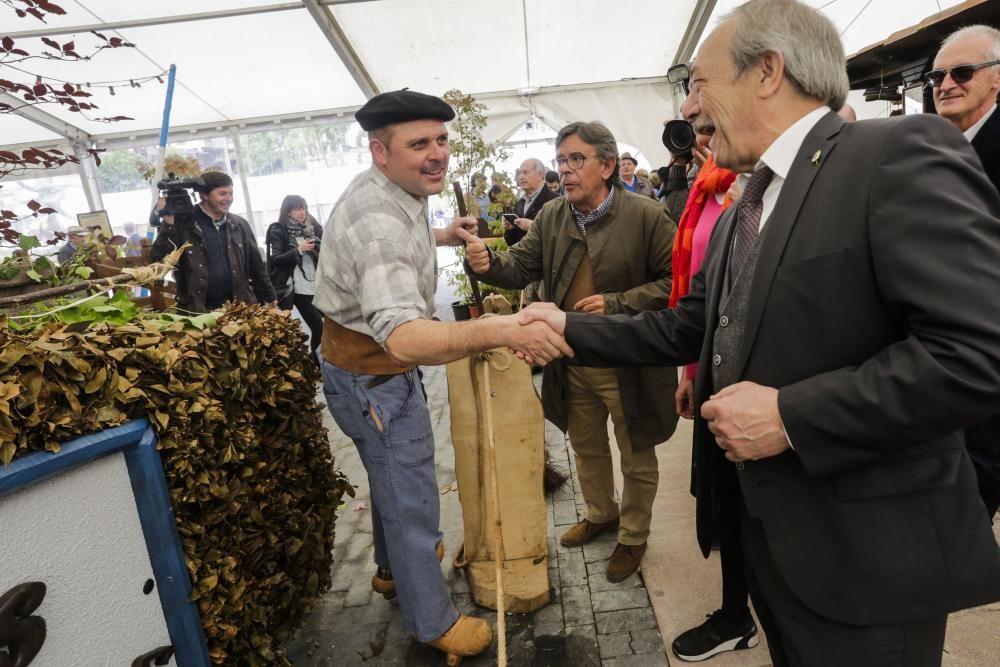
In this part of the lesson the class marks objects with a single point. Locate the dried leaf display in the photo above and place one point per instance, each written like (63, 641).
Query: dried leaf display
(232, 398)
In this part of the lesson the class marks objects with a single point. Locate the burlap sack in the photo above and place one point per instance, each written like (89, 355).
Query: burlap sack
(518, 431)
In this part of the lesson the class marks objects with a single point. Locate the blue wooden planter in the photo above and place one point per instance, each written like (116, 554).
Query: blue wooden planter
(136, 441)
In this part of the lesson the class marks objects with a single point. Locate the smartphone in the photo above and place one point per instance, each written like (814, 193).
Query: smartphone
(509, 218)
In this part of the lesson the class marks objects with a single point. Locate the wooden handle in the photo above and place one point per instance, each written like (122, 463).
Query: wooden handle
(463, 211)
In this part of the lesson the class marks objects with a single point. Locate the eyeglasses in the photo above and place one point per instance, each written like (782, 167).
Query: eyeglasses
(575, 161)
(959, 73)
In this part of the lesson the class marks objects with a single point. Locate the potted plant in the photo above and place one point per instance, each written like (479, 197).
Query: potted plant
(471, 154)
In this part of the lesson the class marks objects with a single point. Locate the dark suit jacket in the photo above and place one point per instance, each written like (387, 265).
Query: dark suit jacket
(515, 234)
(874, 315)
(987, 146)
(983, 438)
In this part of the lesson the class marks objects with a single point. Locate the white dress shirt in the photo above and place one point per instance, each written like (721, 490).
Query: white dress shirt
(780, 155)
(971, 133)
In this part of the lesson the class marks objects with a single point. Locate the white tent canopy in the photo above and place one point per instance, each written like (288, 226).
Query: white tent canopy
(249, 65)
(247, 62)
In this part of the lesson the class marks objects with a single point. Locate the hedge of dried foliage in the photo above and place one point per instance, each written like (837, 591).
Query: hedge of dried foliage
(244, 450)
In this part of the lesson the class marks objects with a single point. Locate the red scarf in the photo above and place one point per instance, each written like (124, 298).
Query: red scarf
(711, 180)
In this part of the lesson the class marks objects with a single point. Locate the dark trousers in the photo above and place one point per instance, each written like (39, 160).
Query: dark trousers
(798, 637)
(735, 606)
(312, 317)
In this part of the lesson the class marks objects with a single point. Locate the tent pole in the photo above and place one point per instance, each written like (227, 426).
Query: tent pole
(88, 177)
(164, 132)
(242, 167)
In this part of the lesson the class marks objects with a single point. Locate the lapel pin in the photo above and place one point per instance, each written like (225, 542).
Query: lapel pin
(816, 156)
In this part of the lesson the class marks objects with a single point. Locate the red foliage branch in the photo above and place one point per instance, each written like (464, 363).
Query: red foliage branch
(37, 8)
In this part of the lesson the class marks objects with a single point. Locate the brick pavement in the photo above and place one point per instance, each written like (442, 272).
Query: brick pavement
(590, 621)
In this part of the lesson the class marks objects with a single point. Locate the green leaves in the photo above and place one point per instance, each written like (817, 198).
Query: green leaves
(118, 309)
(26, 242)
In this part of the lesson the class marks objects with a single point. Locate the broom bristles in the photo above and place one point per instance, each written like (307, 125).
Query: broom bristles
(553, 478)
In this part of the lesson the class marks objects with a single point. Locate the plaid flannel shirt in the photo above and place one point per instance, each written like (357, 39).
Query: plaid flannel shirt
(378, 262)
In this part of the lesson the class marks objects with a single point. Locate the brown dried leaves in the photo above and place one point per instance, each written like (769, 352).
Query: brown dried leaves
(241, 436)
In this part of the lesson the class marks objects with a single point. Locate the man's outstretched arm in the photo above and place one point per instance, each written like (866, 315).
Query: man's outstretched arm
(652, 338)
(430, 342)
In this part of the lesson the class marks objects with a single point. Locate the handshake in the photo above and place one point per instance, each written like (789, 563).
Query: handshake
(535, 334)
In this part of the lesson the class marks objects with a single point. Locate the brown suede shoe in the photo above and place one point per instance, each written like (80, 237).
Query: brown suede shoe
(469, 636)
(624, 561)
(585, 532)
(385, 585)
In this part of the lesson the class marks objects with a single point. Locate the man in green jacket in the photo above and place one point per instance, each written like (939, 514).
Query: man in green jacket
(599, 249)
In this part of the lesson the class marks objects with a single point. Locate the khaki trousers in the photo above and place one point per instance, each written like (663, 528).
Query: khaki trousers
(593, 395)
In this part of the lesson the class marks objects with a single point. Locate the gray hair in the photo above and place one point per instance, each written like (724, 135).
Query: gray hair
(597, 135)
(993, 53)
(813, 52)
(536, 164)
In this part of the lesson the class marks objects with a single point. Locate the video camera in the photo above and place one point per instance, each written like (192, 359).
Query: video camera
(678, 138)
(174, 191)
(678, 135)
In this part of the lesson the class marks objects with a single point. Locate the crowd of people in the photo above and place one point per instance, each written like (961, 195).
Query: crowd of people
(812, 291)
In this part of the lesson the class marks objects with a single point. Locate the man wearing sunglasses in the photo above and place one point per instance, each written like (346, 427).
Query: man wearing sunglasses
(966, 78)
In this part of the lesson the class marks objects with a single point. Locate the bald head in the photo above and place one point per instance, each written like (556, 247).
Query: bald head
(531, 175)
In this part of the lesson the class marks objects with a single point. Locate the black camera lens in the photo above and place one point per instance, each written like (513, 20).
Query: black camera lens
(678, 138)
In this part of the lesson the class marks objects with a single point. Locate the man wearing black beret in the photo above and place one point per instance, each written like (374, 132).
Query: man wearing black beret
(375, 286)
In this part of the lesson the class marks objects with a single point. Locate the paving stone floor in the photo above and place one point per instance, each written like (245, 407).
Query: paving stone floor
(590, 621)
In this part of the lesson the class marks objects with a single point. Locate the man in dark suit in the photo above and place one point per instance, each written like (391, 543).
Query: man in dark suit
(842, 323)
(966, 79)
(531, 179)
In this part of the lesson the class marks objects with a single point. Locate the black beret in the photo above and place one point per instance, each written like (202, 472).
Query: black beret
(400, 106)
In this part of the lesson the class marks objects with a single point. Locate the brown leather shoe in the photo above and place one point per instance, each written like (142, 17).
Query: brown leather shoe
(624, 561)
(468, 636)
(585, 532)
(385, 585)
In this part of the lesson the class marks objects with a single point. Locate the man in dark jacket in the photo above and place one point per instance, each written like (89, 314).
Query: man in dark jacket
(965, 92)
(842, 324)
(223, 262)
(531, 180)
(600, 250)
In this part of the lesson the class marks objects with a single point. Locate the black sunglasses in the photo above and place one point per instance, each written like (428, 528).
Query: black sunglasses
(959, 73)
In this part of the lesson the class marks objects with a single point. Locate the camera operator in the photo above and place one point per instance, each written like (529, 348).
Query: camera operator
(292, 256)
(223, 262)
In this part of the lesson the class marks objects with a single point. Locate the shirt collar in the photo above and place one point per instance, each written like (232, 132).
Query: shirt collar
(583, 219)
(208, 217)
(780, 155)
(414, 208)
(529, 199)
(971, 133)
